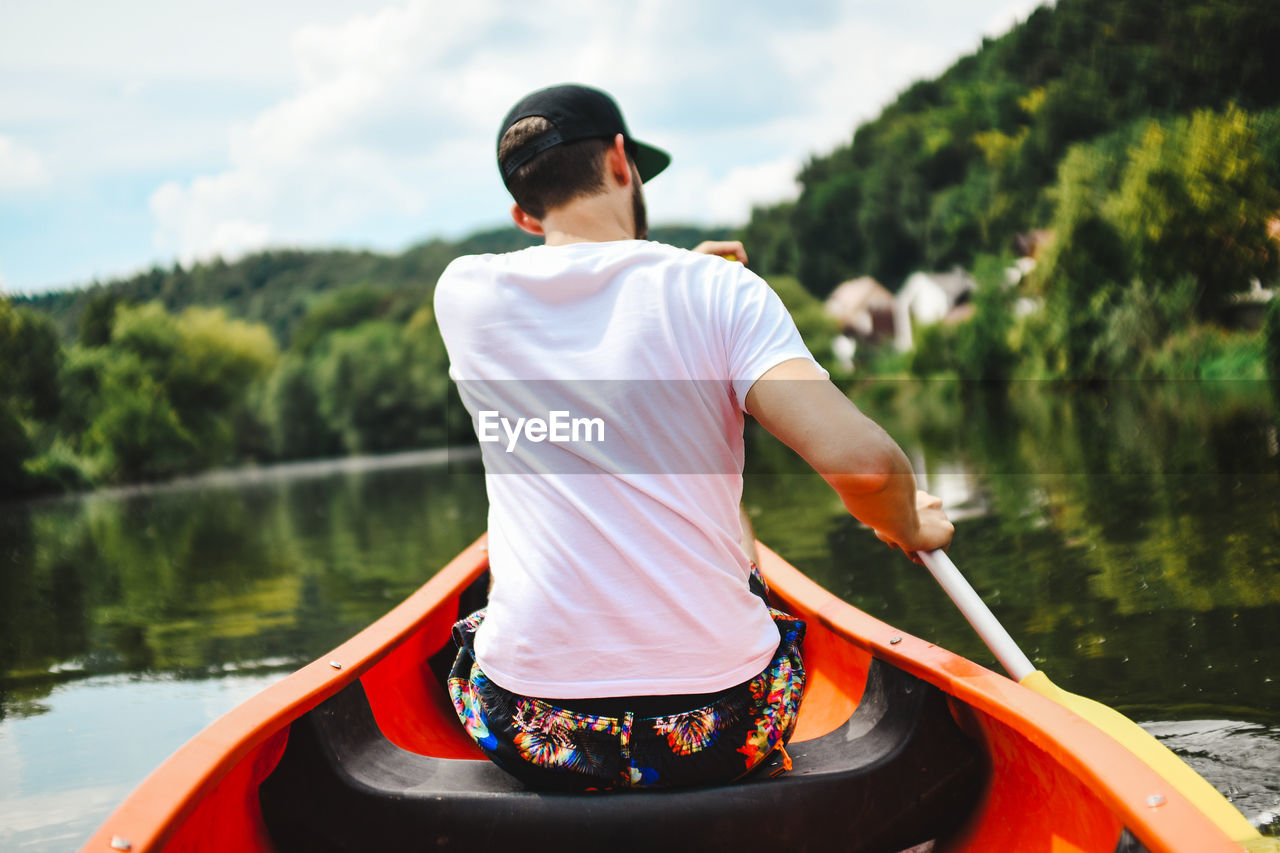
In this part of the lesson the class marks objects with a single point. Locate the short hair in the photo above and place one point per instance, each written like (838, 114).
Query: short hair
(558, 175)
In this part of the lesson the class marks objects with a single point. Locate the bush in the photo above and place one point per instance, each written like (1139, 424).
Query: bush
(983, 352)
(15, 449)
(292, 411)
(1195, 201)
(58, 469)
(935, 351)
(1141, 320)
(1205, 352)
(810, 317)
(1271, 339)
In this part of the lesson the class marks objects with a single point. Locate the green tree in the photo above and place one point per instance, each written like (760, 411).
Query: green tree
(15, 449)
(340, 310)
(135, 432)
(167, 395)
(1195, 201)
(771, 241)
(982, 345)
(935, 350)
(1271, 340)
(1081, 273)
(217, 363)
(427, 368)
(298, 427)
(30, 356)
(366, 390)
(98, 318)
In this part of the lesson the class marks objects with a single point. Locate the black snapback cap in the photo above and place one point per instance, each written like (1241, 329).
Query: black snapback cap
(575, 112)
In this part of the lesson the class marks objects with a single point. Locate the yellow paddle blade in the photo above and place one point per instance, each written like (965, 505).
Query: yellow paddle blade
(1159, 758)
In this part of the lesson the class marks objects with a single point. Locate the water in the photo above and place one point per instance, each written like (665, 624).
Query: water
(1129, 537)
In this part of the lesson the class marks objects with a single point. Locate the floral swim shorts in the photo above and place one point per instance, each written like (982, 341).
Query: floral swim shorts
(632, 742)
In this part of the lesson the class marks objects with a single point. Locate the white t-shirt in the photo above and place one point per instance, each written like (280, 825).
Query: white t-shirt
(613, 527)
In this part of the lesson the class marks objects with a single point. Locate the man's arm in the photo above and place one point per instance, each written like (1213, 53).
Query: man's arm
(853, 454)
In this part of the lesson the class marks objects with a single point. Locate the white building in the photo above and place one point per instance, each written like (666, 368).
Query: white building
(927, 298)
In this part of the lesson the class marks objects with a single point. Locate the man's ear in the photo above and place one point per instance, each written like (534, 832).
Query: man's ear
(525, 222)
(617, 163)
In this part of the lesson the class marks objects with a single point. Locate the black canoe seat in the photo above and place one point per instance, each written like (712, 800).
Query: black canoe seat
(898, 773)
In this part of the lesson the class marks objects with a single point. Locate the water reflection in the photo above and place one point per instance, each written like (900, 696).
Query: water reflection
(222, 578)
(1129, 536)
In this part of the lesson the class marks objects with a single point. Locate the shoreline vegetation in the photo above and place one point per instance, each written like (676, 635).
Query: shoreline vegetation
(1147, 166)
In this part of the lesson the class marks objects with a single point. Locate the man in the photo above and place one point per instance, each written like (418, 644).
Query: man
(623, 645)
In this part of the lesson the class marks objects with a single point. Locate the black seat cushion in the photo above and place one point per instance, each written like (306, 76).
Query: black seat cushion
(898, 773)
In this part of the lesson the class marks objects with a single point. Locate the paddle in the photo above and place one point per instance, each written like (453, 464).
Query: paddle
(1129, 734)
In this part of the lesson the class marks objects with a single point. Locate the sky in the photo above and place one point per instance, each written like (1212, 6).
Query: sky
(143, 132)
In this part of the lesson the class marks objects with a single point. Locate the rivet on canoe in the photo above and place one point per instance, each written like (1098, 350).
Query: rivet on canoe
(1155, 800)
(335, 664)
(118, 843)
(895, 641)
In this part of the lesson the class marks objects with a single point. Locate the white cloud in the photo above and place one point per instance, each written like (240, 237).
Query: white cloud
(392, 113)
(692, 194)
(1009, 16)
(21, 168)
(373, 126)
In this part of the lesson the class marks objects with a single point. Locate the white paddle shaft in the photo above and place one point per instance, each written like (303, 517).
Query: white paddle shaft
(979, 615)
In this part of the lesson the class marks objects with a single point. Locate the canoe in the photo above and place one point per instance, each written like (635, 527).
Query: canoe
(900, 744)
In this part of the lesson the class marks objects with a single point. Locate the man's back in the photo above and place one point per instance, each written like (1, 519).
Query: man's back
(622, 538)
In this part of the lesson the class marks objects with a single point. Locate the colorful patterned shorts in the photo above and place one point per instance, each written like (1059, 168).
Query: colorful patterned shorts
(716, 738)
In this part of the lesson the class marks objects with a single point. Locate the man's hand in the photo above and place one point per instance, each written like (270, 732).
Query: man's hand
(728, 249)
(933, 529)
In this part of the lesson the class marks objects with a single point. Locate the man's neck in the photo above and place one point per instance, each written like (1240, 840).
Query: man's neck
(596, 219)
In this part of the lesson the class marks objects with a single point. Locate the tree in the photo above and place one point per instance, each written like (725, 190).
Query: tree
(982, 345)
(299, 429)
(339, 310)
(30, 356)
(166, 394)
(1195, 201)
(135, 432)
(98, 317)
(1271, 340)
(366, 390)
(1081, 272)
(771, 241)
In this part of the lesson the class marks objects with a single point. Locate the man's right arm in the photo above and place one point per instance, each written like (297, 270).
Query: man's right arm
(799, 405)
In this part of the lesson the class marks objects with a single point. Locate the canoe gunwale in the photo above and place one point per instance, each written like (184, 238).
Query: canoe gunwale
(156, 809)
(1085, 751)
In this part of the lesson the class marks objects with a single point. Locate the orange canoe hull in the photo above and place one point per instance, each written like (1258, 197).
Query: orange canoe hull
(1056, 783)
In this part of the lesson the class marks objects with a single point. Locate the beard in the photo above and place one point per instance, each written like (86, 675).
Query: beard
(638, 213)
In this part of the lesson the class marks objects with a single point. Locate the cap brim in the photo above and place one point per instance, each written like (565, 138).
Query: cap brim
(650, 161)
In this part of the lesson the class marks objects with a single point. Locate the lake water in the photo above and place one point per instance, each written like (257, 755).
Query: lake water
(1127, 536)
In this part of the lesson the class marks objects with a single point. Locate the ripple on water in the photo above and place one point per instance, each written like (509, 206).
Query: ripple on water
(1242, 760)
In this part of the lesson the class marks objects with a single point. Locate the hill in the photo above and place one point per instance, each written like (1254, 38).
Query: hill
(959, 165)
(279, 287)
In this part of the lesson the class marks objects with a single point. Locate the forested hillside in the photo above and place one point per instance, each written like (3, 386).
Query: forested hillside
(958, 166)
(278, 287)
(1141, 136)
(281, 355)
